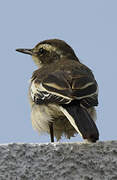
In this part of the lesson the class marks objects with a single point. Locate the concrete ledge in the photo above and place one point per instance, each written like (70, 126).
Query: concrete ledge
(59, 161)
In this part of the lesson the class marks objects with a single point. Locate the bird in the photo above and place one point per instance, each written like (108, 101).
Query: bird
(63, 92)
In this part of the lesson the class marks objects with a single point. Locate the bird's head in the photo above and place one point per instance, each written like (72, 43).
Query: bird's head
(49, 51)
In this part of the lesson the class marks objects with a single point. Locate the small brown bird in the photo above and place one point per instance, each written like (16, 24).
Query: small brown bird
(63, 92)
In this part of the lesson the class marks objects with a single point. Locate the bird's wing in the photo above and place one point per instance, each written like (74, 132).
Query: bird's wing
(66, 87)
(52, 89)
(70, 92)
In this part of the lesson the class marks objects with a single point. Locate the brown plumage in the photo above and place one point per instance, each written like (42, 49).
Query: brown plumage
(63, 92)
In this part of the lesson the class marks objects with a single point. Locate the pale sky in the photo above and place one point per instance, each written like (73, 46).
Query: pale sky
(90, 27)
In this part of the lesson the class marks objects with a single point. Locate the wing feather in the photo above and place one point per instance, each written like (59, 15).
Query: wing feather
(66, 87)
(63, 86)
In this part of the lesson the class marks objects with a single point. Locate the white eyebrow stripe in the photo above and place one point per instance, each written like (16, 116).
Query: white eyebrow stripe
(48, 47)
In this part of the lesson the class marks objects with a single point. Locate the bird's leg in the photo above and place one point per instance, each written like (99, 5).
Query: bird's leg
(51, 131)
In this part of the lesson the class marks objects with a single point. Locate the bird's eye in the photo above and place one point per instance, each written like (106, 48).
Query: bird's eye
(41, 51)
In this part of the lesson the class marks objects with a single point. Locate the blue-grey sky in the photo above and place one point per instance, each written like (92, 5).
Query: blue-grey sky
(90, 27)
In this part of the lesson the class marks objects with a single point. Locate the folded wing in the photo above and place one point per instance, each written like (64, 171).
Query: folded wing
(74, 93)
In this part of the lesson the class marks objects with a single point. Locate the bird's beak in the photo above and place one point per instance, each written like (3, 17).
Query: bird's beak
(26, 51)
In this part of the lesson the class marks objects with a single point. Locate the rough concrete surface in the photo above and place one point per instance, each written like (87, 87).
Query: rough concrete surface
(59, 161)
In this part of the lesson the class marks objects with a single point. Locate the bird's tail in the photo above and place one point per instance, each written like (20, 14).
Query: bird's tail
(81, 121)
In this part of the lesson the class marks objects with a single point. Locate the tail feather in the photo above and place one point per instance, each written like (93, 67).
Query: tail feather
(81, 120)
